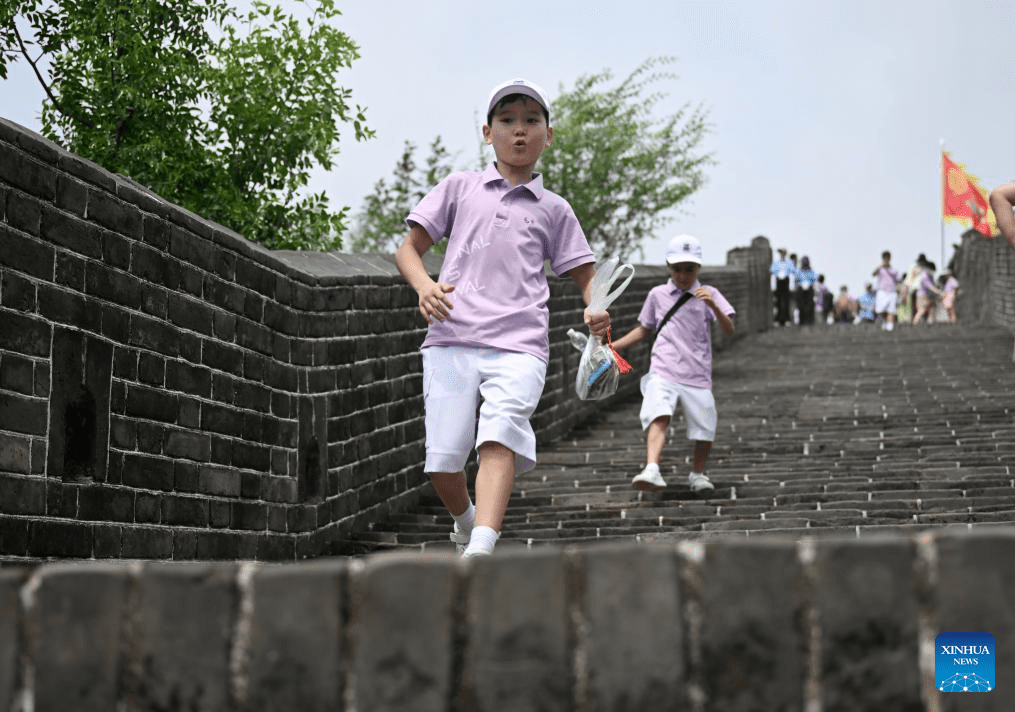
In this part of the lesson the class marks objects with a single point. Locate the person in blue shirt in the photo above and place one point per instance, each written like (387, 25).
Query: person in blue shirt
(782, 269)
(805, 279)
(865, 305)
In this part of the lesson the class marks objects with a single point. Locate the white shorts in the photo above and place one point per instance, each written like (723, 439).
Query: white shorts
(455, 379)
(660, 398)
(886, 302)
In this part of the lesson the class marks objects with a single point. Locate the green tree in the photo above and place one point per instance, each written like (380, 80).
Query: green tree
(222, 112)
(380, 224)
(624, 170)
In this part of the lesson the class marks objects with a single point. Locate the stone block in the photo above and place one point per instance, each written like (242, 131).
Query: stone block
(187, 445)
(23, 213)
(631, 635)
(516, 650)
(181, 622)
(71, 195)
(23, 414)
(13, 535)
(976, 577)
(74, 629)
(15, 453)
(752, 636)
(10, 635)
(294, 660)
(185, 511)
(103, 503)
(219, 481)
(59, 539)
(24, 334)
(409, 666)
(867, 604)
(113, 214)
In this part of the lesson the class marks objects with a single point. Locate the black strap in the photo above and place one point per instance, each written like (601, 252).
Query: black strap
(673, 310)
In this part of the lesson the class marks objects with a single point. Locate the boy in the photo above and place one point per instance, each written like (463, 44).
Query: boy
(681, 367)
(886, 303)
(490, 341)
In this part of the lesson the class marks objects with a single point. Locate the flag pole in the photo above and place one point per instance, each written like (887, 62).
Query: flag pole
(941, 170)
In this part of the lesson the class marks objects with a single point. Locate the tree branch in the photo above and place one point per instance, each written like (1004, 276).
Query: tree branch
(46, 87)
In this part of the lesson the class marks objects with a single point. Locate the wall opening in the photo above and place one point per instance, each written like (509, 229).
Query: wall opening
(79, 430)
(79, 406)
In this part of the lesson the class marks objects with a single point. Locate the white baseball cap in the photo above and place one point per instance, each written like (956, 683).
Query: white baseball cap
(517, 86)
(683, 248)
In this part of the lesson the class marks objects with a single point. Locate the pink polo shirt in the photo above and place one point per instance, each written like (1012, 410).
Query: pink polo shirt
(683, 350)
(499, 239)
(888, 277)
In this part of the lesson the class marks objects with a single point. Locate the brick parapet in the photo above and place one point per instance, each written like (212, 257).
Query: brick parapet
(985, 270)
(725, 624)
(170, 390)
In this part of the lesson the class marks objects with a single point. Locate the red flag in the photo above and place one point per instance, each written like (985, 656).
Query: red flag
(964, 199)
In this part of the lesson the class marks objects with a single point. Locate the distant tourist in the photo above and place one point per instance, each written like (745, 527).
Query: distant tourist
(887, 299)
(925, 291)
(865, 304)
(805, 280)
(845, 306)
(782, 269)
(949, 290)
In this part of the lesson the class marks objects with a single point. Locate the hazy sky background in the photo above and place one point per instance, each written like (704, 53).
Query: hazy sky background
(826, 116)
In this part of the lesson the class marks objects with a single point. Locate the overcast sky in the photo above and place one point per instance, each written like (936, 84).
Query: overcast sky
(827, 117)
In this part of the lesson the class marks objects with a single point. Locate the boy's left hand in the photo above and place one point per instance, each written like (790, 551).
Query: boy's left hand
(704, 295)
(599, 323)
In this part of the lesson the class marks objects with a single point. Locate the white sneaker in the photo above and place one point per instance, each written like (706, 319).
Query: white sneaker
(460, 538)
(700, 483)
(649, 479)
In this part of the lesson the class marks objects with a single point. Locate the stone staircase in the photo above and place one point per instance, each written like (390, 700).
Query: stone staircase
(838, 430)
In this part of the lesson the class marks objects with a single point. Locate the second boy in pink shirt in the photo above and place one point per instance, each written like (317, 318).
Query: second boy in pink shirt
(681, 366)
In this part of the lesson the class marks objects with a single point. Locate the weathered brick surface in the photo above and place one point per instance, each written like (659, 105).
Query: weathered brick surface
(293, 659)
(752, 606)
(631, 634)
(974, 594)
(74, 625)
(517, 656)
(180, 626)
(867, 607)
(10, 635)
(411, 667)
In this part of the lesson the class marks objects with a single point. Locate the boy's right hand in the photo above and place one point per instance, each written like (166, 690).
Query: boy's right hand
(434, 303)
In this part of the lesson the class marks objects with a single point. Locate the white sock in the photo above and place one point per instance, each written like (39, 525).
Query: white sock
(652, 466)
(695, 474)
(466, 519)
(482, 540)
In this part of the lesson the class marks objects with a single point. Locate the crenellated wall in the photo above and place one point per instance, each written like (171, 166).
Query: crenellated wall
(169, 390)
(985, 269)
(719, 626)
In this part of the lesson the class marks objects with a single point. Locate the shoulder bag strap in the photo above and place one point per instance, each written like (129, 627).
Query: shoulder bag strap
(673, 310)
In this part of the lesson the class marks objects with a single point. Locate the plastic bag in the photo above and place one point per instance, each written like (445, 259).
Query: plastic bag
(598, 371)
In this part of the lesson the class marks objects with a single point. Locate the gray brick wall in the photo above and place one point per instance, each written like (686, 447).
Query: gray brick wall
(985, 269)
(776, 624)
(171, 390)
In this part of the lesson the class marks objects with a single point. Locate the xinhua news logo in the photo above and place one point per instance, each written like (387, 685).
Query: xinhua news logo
(964, 662)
